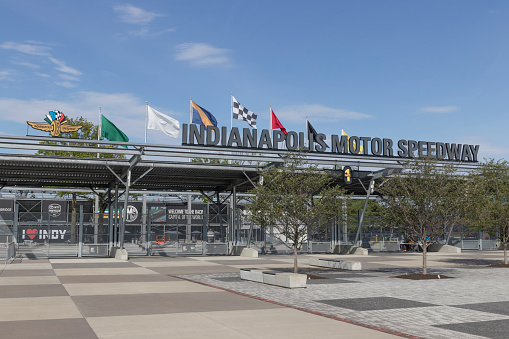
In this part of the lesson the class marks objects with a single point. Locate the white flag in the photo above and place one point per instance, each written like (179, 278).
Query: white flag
(162, 122)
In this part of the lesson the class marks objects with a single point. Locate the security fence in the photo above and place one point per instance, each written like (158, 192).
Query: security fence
(49, 229)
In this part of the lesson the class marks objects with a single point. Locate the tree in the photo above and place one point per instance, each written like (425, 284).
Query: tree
(88, 131)
(422, 200)
(293, 196)
(489, 200)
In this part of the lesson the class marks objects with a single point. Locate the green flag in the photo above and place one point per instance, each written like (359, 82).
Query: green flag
(111, 132)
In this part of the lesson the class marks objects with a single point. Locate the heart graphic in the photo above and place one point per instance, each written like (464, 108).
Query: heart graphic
(32, 233)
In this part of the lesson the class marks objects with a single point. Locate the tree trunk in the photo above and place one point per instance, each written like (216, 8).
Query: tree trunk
(449, 234)
(505, 252)
(424, 259)
(295, 266)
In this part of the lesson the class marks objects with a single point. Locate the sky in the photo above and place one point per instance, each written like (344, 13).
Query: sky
(421, 70)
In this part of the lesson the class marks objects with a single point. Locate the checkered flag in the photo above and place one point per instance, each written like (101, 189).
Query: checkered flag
(242, 113)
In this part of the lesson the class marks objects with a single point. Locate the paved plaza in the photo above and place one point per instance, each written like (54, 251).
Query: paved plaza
(203, 296)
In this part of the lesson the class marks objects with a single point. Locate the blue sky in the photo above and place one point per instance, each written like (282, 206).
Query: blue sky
(422, 70)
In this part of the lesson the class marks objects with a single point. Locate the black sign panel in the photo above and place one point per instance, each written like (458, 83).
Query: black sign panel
(134, 212)
(43, 234)
(54, 210)
(177, 214)
(6, 210)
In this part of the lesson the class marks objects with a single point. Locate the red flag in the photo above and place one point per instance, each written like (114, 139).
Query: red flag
(276, 123)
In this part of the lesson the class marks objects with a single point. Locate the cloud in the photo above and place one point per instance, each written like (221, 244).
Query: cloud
(125, 110)
(202, 54)
(41, 51)
(42, 75)
(486, 148)
(30, 47)
(68, 77)
(66, 84)
(62, 67)
(439, 109)
(8, 75)
(134, 15)
(26, 64)
(318, 112)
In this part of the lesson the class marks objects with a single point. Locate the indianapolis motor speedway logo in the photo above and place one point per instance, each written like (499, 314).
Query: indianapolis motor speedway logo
(56, 123)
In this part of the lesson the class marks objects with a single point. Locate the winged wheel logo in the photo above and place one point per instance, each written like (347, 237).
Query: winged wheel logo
(56, 123)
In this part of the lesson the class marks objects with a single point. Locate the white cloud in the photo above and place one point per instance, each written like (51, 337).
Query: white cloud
(8, 75)
(68, 77)
(486, 148)
(318, 112)
(66, 84)
(42, 75)
(62, 67)
(202, 54)
(41, 51)
(30, 47)
(134, 15)
(125, 110)
(439, 109)
(26, 64)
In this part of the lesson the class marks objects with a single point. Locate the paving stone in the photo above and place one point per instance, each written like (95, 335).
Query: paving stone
(378, 303)
(495, 329)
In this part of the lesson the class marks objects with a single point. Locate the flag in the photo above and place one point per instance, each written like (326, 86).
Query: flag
(111, 132)
(241, 113)
(276, 123)
(162, 122)
(202, 117)
(312, 130)
(354, 144)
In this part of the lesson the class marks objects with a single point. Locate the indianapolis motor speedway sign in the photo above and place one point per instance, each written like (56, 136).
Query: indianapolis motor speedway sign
(338, 144)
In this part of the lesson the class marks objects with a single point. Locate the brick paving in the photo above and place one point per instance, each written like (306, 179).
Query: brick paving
(474, 304)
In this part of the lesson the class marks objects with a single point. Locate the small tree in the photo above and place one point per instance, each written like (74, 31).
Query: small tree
(420, 201)
(293, 197)
(489, 200)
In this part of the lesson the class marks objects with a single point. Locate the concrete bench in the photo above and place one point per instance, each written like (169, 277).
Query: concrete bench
(288, 280)
(336, 263)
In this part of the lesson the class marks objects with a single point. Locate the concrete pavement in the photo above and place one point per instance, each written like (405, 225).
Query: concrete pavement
(189, 297)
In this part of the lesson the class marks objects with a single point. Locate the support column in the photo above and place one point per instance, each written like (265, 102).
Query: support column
(144, 234)
(116, 217)
(80, 233)
(15, 222)
(110, 221)
(234, 232)
(189, 219)
(96, 218)
(124, 212)
(149, 232)
(361, 218)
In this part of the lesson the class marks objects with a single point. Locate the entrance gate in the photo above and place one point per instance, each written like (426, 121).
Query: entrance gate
(48, 238)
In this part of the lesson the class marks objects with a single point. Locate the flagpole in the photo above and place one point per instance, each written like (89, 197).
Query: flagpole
(231, 110)
(190, 117)
(270, 117)
(99, 128)
(96, 200)
(146, 120)
(307, 133)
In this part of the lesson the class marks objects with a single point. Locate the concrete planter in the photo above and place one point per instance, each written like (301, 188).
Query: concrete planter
(288, 280)
(333, 263)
